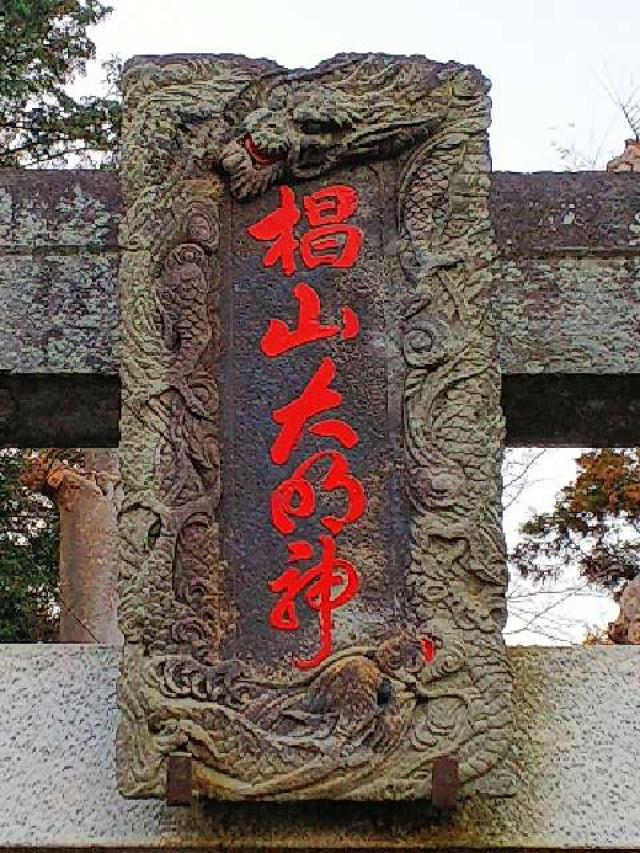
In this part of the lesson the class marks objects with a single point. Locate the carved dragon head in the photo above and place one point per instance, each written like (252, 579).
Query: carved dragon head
(304, 124)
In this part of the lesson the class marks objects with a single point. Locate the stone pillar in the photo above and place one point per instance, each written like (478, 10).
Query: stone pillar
(626, 628)
(88, 501)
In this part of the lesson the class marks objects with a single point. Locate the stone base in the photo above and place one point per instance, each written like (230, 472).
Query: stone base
(577, 756)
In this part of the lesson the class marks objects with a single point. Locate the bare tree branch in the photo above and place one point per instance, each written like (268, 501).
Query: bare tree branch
(516, 474)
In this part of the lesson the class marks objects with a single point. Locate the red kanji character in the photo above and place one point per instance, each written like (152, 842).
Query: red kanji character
(330, 205)
(329, 242)
(279, 338)
(319, 582)
(317, 397)
(429, 649)
(295, 497)
(278, 228)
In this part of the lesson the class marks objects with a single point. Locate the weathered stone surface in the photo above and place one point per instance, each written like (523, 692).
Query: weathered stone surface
(626, 628)
(567, 282)
(567, 273)
(58, 270)
(574, 237)
(87, 501)
(415, 668)
(547, 214)
(576, 752)
(629, 160)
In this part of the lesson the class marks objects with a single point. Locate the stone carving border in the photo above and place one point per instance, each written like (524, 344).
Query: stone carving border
(185, 122)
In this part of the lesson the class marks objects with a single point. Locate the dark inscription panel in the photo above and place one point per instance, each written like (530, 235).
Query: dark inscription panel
(255, 385)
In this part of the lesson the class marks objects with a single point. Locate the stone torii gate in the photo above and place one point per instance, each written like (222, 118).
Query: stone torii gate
(563, 301)
(566, 302)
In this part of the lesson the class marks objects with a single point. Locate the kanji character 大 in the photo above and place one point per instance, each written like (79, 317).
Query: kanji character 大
(317, 397)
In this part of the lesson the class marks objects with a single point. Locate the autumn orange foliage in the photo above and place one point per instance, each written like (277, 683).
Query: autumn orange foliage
(594, 527)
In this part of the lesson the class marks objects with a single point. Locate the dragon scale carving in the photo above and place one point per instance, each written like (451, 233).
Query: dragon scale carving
(370, 721)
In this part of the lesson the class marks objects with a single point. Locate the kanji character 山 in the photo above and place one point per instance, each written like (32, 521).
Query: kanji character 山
(279, 338)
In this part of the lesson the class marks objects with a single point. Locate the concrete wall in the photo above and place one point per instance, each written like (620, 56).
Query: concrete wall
(576, 751)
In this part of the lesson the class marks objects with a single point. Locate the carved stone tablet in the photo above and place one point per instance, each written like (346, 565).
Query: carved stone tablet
(313, 570)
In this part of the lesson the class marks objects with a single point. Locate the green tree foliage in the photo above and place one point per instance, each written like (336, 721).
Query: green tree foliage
(594, 525)
(44, 45)
(28, 557)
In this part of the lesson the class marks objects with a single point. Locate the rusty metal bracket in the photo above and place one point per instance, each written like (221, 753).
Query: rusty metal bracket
(179, 779)
(445, 784)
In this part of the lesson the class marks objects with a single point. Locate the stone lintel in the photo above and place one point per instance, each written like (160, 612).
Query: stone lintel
(566, 302)
(571, 409)
(59, 410)
(545, 410)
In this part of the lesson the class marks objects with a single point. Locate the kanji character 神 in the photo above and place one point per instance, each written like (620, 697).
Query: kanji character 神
(327, 585)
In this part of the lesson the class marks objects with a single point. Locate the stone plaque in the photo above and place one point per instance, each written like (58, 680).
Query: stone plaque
(313, 571)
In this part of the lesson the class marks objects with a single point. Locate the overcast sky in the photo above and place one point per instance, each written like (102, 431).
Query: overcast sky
(550, 61)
